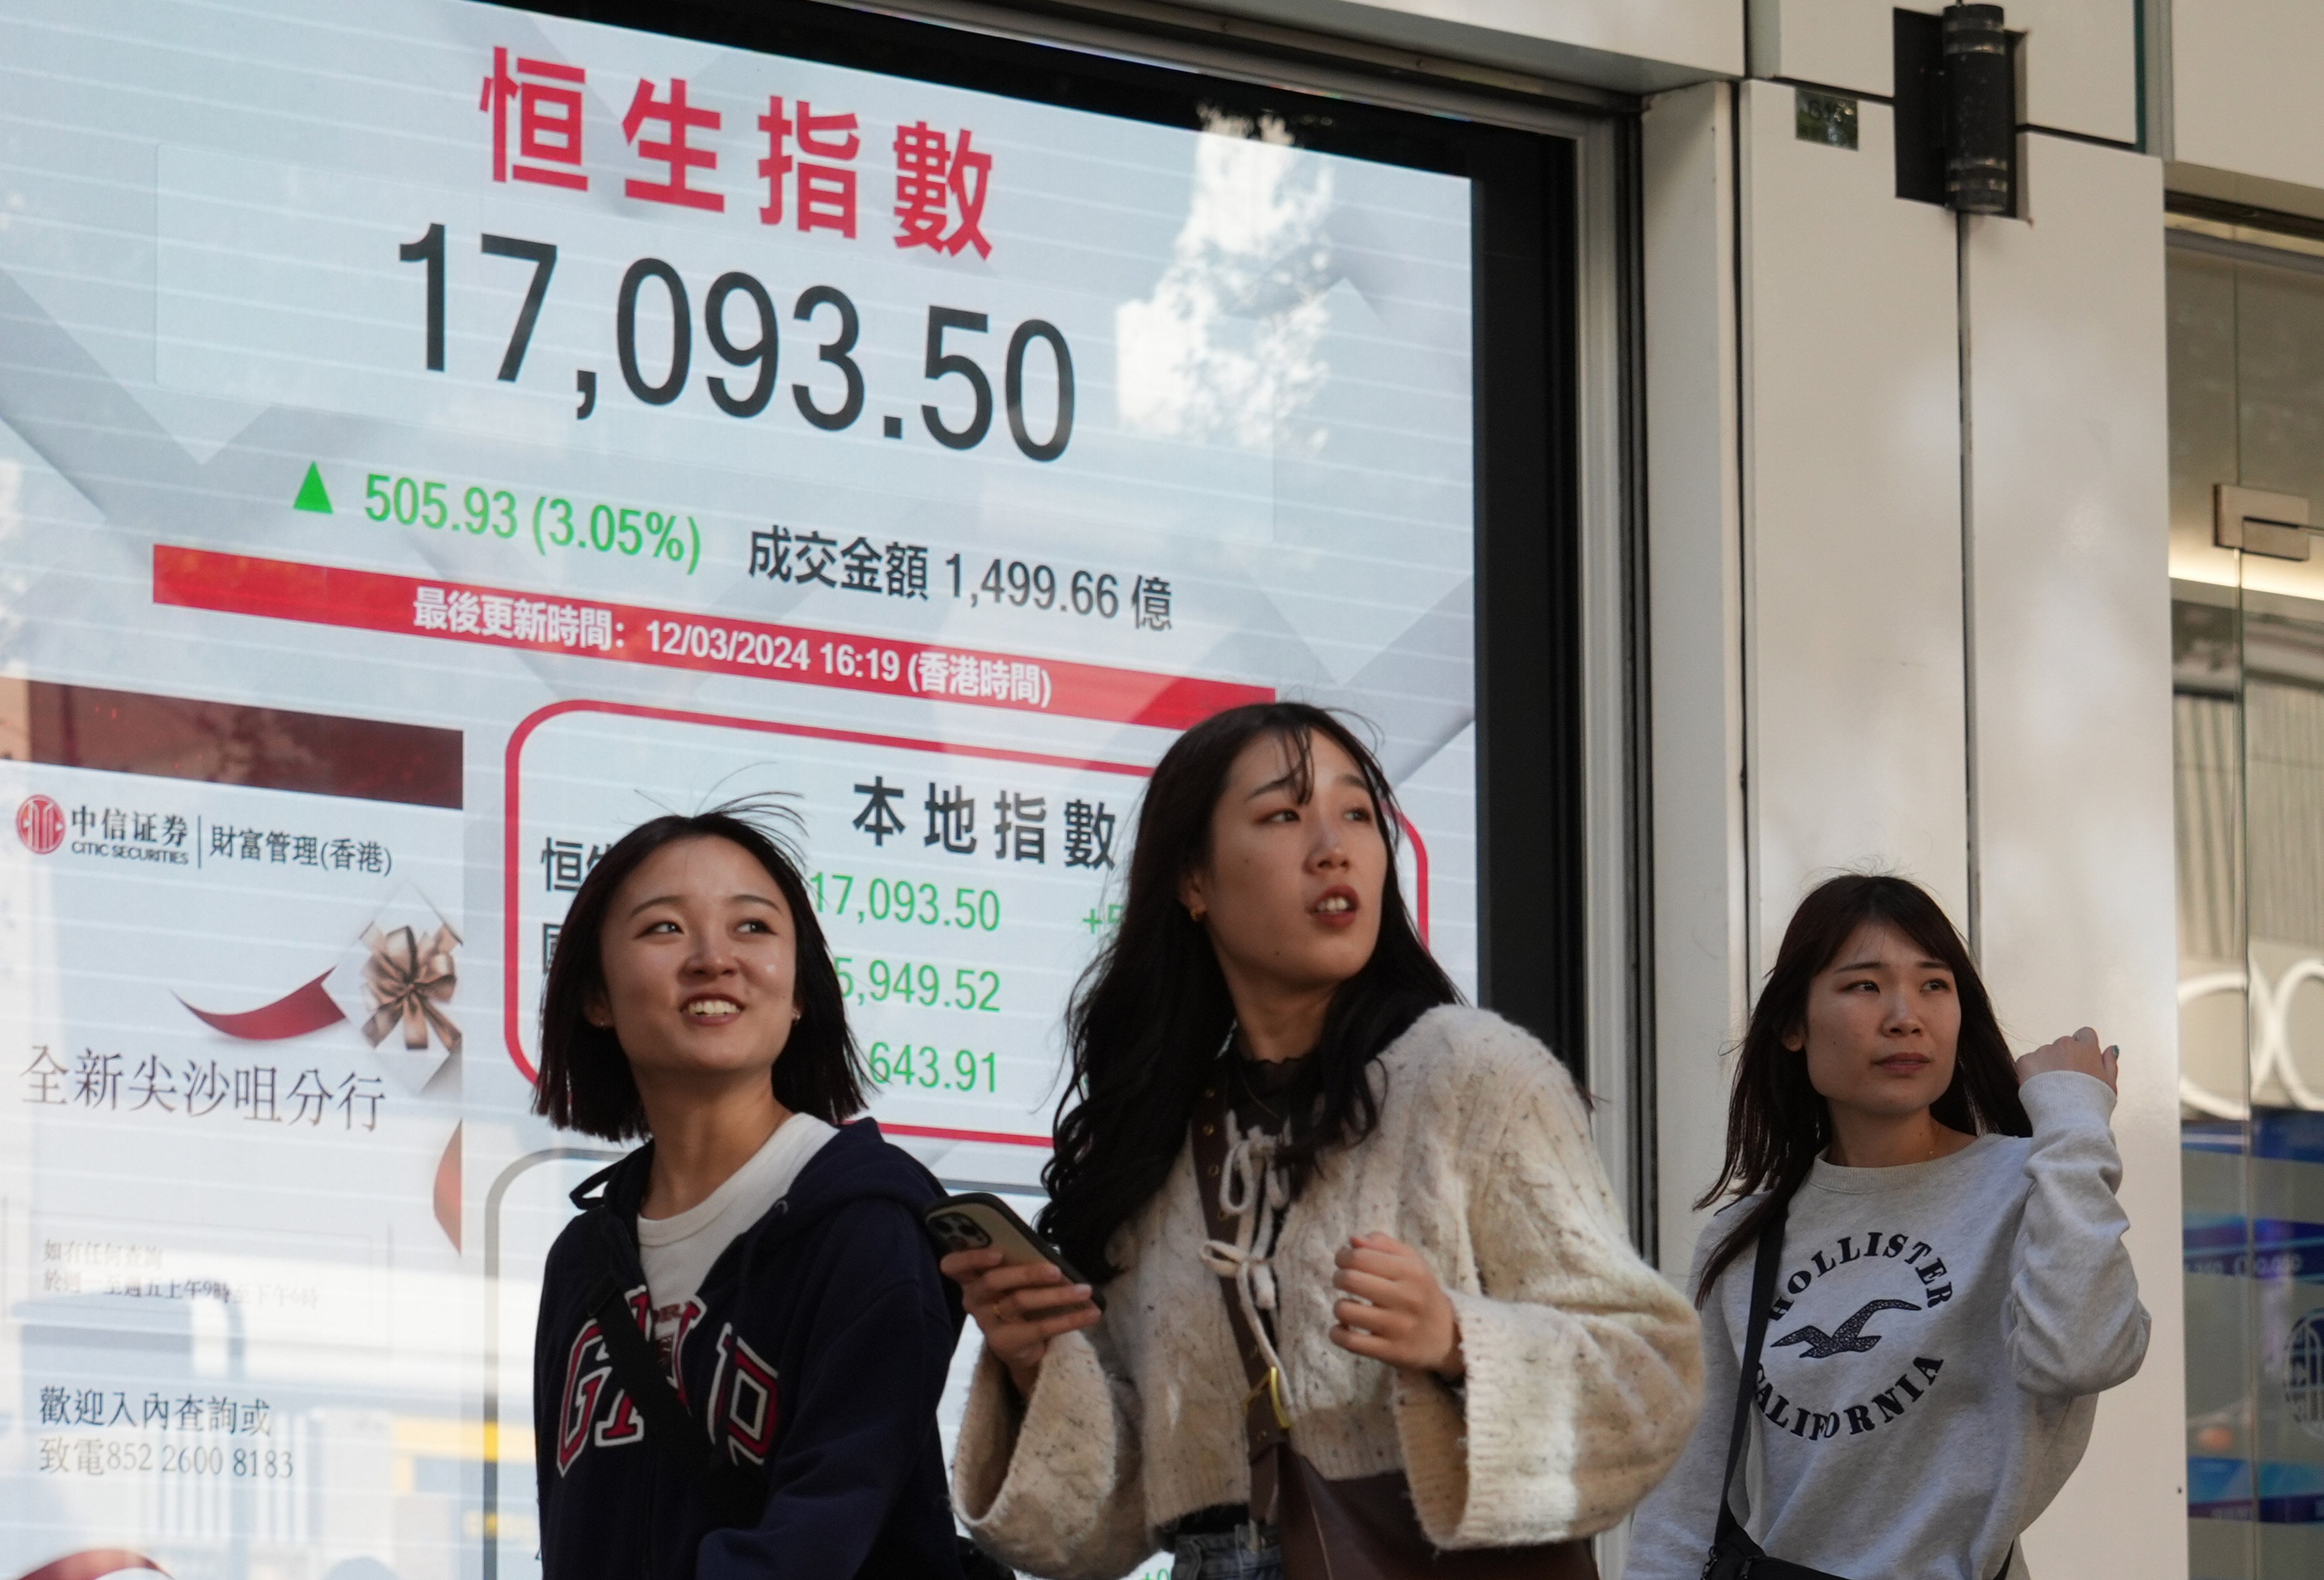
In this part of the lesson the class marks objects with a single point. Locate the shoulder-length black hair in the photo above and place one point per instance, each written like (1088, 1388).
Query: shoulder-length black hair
(1152, 1012)
(1777, 1122)
(585, 1083)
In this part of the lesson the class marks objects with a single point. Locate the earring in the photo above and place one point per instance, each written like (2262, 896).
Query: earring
(1196, 913)
(795, 1016)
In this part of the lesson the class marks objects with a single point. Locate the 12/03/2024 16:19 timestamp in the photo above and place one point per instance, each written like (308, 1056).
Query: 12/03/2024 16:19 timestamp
(773, 650)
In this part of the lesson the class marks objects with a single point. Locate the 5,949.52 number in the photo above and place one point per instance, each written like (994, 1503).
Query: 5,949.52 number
(919, 982)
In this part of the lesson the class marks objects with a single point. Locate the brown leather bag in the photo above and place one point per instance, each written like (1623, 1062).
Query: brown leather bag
(1365, 1528)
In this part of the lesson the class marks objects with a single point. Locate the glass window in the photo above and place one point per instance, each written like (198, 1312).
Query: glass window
(436, 438)
(2246, 312)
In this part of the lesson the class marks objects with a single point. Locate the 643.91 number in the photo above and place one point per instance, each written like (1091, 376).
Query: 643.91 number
(910, 1064)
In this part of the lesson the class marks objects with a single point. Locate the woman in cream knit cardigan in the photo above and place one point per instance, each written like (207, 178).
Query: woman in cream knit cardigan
(1425, 1236)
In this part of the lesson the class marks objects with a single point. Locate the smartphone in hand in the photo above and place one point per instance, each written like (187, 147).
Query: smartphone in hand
(978, 1220)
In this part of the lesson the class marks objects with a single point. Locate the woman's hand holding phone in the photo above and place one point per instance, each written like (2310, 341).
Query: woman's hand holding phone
(1018, 1308)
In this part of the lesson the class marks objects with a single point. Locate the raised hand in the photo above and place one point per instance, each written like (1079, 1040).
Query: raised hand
(1393, 1310)
(2080, 1051)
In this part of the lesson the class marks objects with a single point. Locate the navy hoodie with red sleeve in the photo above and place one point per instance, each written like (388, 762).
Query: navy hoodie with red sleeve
(813, 1356)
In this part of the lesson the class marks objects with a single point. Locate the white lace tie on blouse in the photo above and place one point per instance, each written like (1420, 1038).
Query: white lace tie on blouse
(1255, 1193)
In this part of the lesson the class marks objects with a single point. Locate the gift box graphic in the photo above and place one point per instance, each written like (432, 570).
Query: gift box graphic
(395, 983)
(406, 977)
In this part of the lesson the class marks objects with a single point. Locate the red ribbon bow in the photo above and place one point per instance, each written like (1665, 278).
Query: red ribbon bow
(406, 977)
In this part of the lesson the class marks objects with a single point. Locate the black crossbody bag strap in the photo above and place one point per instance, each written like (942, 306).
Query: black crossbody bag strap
(1733, 1554)
(737, 1495)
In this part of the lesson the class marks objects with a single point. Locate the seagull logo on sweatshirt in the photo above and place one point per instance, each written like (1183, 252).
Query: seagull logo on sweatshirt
(1849, 1338)
(1841, 1397)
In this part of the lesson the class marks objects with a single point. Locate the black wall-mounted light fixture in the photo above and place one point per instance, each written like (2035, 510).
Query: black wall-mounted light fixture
(1956, 109)
(1981, 110)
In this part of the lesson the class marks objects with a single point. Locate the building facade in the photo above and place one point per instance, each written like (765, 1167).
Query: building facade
(1699, 504)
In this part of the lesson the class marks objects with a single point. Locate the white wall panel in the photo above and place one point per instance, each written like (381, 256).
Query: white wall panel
(2071, 677)
(1848, 44)
(1695, 577)
(2244, 76)
(1636, 45)
(1851, 479)
(2081, 67)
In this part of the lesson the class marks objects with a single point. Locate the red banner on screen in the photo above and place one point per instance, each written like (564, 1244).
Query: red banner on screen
(71, 726)
(309, 1009)
(90, 1563)
(232, 583)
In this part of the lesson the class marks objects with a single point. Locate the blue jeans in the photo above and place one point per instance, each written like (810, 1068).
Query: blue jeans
(1227, 1555)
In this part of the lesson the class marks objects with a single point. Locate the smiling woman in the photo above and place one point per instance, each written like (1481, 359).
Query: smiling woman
(743, 1337)
(710, 987)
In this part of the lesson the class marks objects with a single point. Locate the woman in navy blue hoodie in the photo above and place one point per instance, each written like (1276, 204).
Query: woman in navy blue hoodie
(770, 1253)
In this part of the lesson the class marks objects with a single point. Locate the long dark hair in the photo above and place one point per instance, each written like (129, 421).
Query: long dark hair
(1777, 1122)
(1152, 1011)
(585, 1083)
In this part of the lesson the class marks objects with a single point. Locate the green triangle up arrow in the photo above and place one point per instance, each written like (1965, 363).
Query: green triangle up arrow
(312, 495)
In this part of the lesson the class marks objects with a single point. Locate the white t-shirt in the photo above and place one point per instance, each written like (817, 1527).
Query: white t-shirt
(678, 1252)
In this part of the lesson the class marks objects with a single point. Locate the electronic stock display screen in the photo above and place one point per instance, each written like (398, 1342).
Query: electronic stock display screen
(434, 438)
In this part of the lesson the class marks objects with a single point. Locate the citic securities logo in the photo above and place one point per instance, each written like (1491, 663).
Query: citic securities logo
(41, 824)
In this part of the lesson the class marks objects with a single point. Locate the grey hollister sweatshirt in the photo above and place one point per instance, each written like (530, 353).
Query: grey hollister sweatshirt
(1940, 1334)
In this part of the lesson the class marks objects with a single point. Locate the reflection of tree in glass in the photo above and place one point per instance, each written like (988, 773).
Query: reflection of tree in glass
(1226, 346)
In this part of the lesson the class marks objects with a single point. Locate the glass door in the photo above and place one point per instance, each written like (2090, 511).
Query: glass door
(2247, 475)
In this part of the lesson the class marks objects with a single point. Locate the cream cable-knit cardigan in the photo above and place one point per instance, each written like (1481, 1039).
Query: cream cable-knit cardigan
(1585, 1370)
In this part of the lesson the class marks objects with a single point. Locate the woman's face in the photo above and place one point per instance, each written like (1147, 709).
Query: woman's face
(700, 959)
(1292, 892)
(1883, 1020)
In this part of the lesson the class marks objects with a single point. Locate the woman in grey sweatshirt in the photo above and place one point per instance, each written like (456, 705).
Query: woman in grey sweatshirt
(1953, 1292)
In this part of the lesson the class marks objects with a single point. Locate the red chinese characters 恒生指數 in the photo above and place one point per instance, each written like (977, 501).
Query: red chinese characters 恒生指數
(809, 161)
